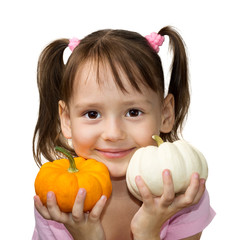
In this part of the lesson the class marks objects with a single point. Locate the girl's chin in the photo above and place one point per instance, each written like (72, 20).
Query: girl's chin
(116, 173)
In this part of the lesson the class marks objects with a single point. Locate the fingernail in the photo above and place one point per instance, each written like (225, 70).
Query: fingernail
(196, 175)
(49, 195)
(202, 181)
(166, 172)
(81, 191)
(103, 197)
(137, 178)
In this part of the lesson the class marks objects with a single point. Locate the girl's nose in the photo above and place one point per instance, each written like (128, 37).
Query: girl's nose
(113, 130)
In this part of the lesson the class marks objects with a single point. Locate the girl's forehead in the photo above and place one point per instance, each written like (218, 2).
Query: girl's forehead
(101, 75)
(94, 81)
(91, 89)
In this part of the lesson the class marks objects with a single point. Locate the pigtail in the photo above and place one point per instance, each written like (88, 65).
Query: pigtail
(179, 82)
(49, 76)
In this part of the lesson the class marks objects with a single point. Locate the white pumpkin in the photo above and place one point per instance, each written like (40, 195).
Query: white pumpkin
(179, 157)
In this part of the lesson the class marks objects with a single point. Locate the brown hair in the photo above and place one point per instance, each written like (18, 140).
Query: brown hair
(121, 50)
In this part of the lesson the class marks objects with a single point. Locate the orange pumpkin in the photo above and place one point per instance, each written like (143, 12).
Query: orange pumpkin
(65, 181)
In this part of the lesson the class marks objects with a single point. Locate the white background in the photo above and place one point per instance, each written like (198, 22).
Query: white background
(211, 32)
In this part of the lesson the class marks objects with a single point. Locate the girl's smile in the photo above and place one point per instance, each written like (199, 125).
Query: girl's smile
(115, 153)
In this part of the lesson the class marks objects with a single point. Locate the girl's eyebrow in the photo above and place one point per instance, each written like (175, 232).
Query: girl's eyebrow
(138, 102)
(85, 104)
(128, 103)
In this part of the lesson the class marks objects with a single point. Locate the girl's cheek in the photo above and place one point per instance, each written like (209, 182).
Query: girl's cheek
(84, 140)
(144, 137)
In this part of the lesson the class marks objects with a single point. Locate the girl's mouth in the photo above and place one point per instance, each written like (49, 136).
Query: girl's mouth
(115, 153)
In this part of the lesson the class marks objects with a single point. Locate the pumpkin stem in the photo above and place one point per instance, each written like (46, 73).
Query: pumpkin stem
(72, 168)
(158, 140)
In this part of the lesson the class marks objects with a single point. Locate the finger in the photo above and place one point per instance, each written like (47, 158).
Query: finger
(97, 209)
(193, 188)
(201, 191)
(168, 189)
(144, 191)
(41, 208)
(54, 210)
(77, 211)
(191, 192)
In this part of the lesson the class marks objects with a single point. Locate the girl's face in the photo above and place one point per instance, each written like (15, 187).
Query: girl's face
(109, 125)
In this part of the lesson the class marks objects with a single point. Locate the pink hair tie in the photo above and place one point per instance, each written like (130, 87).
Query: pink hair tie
(155, 40)
(73, 43)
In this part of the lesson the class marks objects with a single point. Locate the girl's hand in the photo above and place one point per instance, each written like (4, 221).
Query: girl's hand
(81, 225)
(147, 222)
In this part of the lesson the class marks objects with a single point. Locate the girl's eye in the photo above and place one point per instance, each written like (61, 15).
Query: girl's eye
(134, 113)
(92, 115)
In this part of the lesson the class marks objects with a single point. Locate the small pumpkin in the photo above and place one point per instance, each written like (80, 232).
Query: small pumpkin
(65, 176)
(179, 157)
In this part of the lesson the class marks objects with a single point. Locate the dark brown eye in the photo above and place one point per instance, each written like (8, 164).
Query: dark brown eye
(133, 113)
(92, 114)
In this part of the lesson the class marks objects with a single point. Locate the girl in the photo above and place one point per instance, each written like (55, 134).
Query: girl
(109, 100)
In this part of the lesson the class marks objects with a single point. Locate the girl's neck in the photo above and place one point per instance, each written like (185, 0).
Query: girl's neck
(119, 188)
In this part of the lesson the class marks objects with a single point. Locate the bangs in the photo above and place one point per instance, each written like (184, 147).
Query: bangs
(100, 65)
(122, 52)
(126, 58)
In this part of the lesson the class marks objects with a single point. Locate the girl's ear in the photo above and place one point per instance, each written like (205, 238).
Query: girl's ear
(64, 119)
(168, 114)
